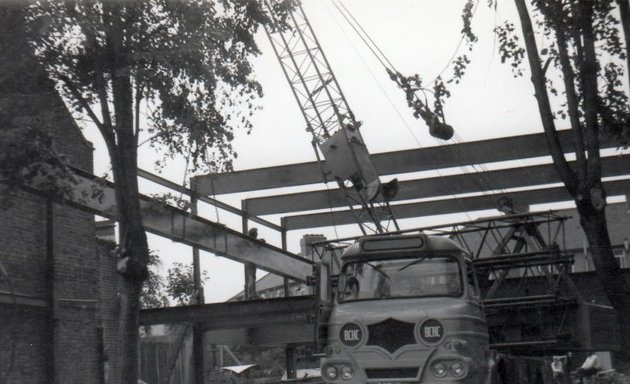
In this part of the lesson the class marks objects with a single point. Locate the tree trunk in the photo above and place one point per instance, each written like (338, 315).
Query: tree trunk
(132, 264)
(593, 223)
(134, 249)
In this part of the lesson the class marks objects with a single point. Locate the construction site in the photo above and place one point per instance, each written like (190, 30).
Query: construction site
(461, 261)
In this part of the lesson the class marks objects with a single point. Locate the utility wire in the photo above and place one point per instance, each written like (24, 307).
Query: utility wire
(388, 65)
(364, 33)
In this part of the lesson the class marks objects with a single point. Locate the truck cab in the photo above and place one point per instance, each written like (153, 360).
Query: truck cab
(406, 310)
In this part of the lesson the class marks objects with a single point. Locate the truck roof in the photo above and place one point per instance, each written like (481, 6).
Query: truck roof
(400, 245)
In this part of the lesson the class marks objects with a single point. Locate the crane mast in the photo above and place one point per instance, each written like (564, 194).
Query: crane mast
(334, 128)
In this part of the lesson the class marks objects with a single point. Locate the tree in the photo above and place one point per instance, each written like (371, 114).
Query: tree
(185, 63)
(153, 291)
(586, 54)
(586, 36)
(180, 284)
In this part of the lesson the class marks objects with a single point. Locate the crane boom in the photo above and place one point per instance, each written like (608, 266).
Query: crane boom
(330, 120)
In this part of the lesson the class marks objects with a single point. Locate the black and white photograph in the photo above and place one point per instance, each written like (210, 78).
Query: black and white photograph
(314, 192)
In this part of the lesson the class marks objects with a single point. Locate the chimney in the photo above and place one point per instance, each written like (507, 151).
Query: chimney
(305, 246)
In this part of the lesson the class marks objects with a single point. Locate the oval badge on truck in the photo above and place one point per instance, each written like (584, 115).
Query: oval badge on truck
(351, 334)
(431, 331)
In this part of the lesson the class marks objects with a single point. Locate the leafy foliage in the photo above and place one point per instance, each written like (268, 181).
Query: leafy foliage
(509, 47)
(27, 156)
(435, 118)
(180, 283)
(188, 60)
(562, 24)
(153, 291)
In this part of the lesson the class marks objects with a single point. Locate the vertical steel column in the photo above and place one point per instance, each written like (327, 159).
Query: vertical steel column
(50, 282)
(289, 349)
(287, 293)
(249, 268)
(290, 360)
(197, 331)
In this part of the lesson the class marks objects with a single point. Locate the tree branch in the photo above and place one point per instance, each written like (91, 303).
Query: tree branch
(136, 134)
(572, 99)
(544, 107)
(99, 78)
(624, 12)
(105, 130)
(589, 89)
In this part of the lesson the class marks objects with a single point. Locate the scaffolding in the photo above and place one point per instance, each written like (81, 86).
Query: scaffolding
(531, 304)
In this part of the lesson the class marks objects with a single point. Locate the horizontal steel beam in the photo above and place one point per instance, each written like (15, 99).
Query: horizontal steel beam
(189, 192)
(447, 206)
(389, 163)
(264, 335)
(98, 196)
(431, 187)
(236, 314)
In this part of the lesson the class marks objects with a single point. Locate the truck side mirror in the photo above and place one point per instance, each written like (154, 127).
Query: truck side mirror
(324, 302)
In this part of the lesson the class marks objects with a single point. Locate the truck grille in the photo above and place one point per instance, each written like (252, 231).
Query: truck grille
(391, 334)
(392, 373)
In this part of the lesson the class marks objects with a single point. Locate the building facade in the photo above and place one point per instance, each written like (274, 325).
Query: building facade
(54, 326)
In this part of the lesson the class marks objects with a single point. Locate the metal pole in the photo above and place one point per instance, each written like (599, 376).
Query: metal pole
(290, 360)
(287, 293)
(249, 268)
(289, 349)
(50, 282)
(198, 334)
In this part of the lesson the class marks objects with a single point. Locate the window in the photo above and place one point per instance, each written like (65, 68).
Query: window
(423, 276)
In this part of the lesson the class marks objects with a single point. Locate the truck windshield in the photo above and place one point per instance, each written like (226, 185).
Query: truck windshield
(425, 276)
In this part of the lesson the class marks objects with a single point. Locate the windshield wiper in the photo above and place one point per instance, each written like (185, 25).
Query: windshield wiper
(418, 261)
(377, 268)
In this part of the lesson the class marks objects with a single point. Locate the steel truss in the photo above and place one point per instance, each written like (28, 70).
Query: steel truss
(523, 270)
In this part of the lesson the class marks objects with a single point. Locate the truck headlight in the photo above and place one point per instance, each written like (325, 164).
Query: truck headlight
(330, 372)
(439, 370)
(458, 369)
(347, 372)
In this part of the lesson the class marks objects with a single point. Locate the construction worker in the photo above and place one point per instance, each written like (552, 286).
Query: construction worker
(589, 368)
(558, 369)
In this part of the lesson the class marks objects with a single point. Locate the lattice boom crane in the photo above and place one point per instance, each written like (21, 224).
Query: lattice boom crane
(330, 120)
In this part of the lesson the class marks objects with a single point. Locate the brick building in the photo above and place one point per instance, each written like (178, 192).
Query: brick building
(54, 327)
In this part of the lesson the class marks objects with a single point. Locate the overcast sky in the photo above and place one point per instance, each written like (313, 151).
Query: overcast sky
(418, 36)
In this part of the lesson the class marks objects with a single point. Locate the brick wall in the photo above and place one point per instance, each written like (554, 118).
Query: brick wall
(50, 313)
(24, 252)
(108, 306)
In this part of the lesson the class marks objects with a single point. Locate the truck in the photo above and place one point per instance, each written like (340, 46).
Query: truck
(407, 309)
